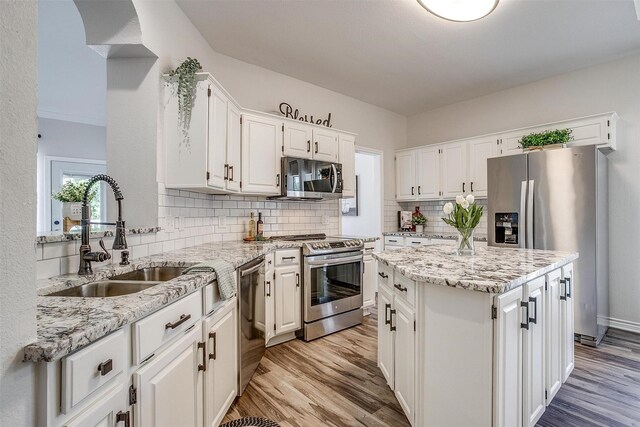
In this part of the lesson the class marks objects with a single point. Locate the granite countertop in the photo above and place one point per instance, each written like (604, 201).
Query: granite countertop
(63, 237)
(447, 236)
(491, 269)
(66, 324)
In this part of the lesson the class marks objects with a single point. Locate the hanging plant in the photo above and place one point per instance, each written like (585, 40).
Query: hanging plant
(185, 90)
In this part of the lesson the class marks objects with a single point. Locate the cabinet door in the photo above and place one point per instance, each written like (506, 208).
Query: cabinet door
(428, 182)
(406, 175)
(533, 354)
(217, 148)
(105, 410)
(298, 140)
(221, 377)
(566, 315)
(479, 151)
(453, 168)
(507, 399)
(403, 317)
(261, 142)
(348, 160)
(170, 386)
(234, 153)
(385, 335)
(325, 145)
(288, 314)
(368, 277)
(554, 336)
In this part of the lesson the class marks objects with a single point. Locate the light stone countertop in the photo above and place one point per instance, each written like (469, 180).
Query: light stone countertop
(67, 324)
(66, 237)
(491, 269)
(447, 236)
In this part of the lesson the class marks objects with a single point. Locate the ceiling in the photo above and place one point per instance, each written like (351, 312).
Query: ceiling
(396, 55)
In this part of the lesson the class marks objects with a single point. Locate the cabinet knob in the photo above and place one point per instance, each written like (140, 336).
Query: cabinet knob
(105, 367)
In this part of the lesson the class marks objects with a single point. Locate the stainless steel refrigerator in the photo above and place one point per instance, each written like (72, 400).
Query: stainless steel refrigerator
(557, 199)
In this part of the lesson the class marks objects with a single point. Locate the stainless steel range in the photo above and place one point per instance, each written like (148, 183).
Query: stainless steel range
(332, 283)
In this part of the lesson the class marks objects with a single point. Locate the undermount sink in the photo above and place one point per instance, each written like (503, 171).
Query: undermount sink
(105, 289)
(151, 274)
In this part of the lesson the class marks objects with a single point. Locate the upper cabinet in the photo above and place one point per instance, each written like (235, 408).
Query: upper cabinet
(206, 156)
(442, 171)
(307, 142)
(347, 158)
(325, 145)
(261, 148)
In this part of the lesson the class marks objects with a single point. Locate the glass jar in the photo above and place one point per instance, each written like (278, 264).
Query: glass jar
(465, 241)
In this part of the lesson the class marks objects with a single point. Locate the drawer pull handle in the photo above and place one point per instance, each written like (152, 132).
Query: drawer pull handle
(308, 146)
(297, 280)
(269, 287)
(284, 258)
(534, 319)
(383, 275)
(180, 321)
(212, 356)
(394, 241)
(400, 288)
(392, 327)
(416, 243)
(387, 320)
(203, 366)
(105, 367)
(123, 416)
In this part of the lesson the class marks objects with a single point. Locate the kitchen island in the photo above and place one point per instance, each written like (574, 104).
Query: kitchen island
(485, 340)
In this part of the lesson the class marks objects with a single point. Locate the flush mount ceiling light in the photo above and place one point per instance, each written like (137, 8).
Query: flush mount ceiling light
(459, 10)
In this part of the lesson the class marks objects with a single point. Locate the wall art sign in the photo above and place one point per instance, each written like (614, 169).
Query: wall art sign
(289, 112)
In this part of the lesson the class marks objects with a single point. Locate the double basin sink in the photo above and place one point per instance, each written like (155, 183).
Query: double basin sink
(122, 284)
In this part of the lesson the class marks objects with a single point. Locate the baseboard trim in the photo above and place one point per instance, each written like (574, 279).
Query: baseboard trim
(625, 325)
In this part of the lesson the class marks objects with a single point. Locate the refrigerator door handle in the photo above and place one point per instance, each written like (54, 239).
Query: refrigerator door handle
(521, 220)
(530, 214)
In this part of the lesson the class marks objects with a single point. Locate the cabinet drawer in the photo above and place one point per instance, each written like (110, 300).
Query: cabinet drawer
(89, 369)
(404, 288)
(153, 331)
(288, 257)
(393, 241)
(416, 241)
(385, 275)
(369, 247)
(211, 297)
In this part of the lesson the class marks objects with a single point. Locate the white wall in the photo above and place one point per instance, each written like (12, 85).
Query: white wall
(367, 222)
(171, 36)
(18, 35)
(614, 86)
(72, 78)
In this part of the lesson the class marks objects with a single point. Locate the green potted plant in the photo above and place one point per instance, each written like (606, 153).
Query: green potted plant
(536, 141)
(70, 195)
(464, 216)
(419, 220)
(184, 80)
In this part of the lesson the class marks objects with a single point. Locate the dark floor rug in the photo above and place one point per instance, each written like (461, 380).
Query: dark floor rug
(251, 422)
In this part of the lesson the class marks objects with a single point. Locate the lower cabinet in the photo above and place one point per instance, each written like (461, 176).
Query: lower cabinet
(566, 315)
(368, 278)
(397, 343)
(554, 335)
(108, 410)
(288, 294)
(169, 388)
(220, 378)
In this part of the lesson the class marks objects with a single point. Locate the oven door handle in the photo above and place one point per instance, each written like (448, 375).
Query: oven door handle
(334, 261)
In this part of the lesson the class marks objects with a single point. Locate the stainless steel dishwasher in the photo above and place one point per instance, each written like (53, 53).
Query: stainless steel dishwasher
(251, 320)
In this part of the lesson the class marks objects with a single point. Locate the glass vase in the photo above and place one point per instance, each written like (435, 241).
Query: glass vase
(465, 241)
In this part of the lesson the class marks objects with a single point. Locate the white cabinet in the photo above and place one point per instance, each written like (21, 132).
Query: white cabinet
(480, 150)
(348, 160)
(406, 175)
(566, 315)
(108, 410)
(397, 341)
(288, 315)
(169, 387)
(205, 157)
(269, 297)
(221, 376)
(453, 169)
(402, 322)
(298, 140)
(533, 353)
(325, 145)
(368, 278)
(261, 149)
(554, 335)
(428, 173)
(385, 335)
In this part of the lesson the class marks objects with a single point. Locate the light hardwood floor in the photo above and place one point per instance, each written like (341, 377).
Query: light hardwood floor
(335, 381)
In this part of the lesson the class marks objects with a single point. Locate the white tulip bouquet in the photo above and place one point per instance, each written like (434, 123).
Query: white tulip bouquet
(463, 216)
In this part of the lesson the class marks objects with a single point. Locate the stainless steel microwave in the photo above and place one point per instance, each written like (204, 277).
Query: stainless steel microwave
(305, 179)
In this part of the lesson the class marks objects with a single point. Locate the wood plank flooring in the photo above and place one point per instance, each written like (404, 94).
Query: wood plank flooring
(335, 381)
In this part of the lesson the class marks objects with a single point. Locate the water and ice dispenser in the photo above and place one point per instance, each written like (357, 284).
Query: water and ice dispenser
(506, 231)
